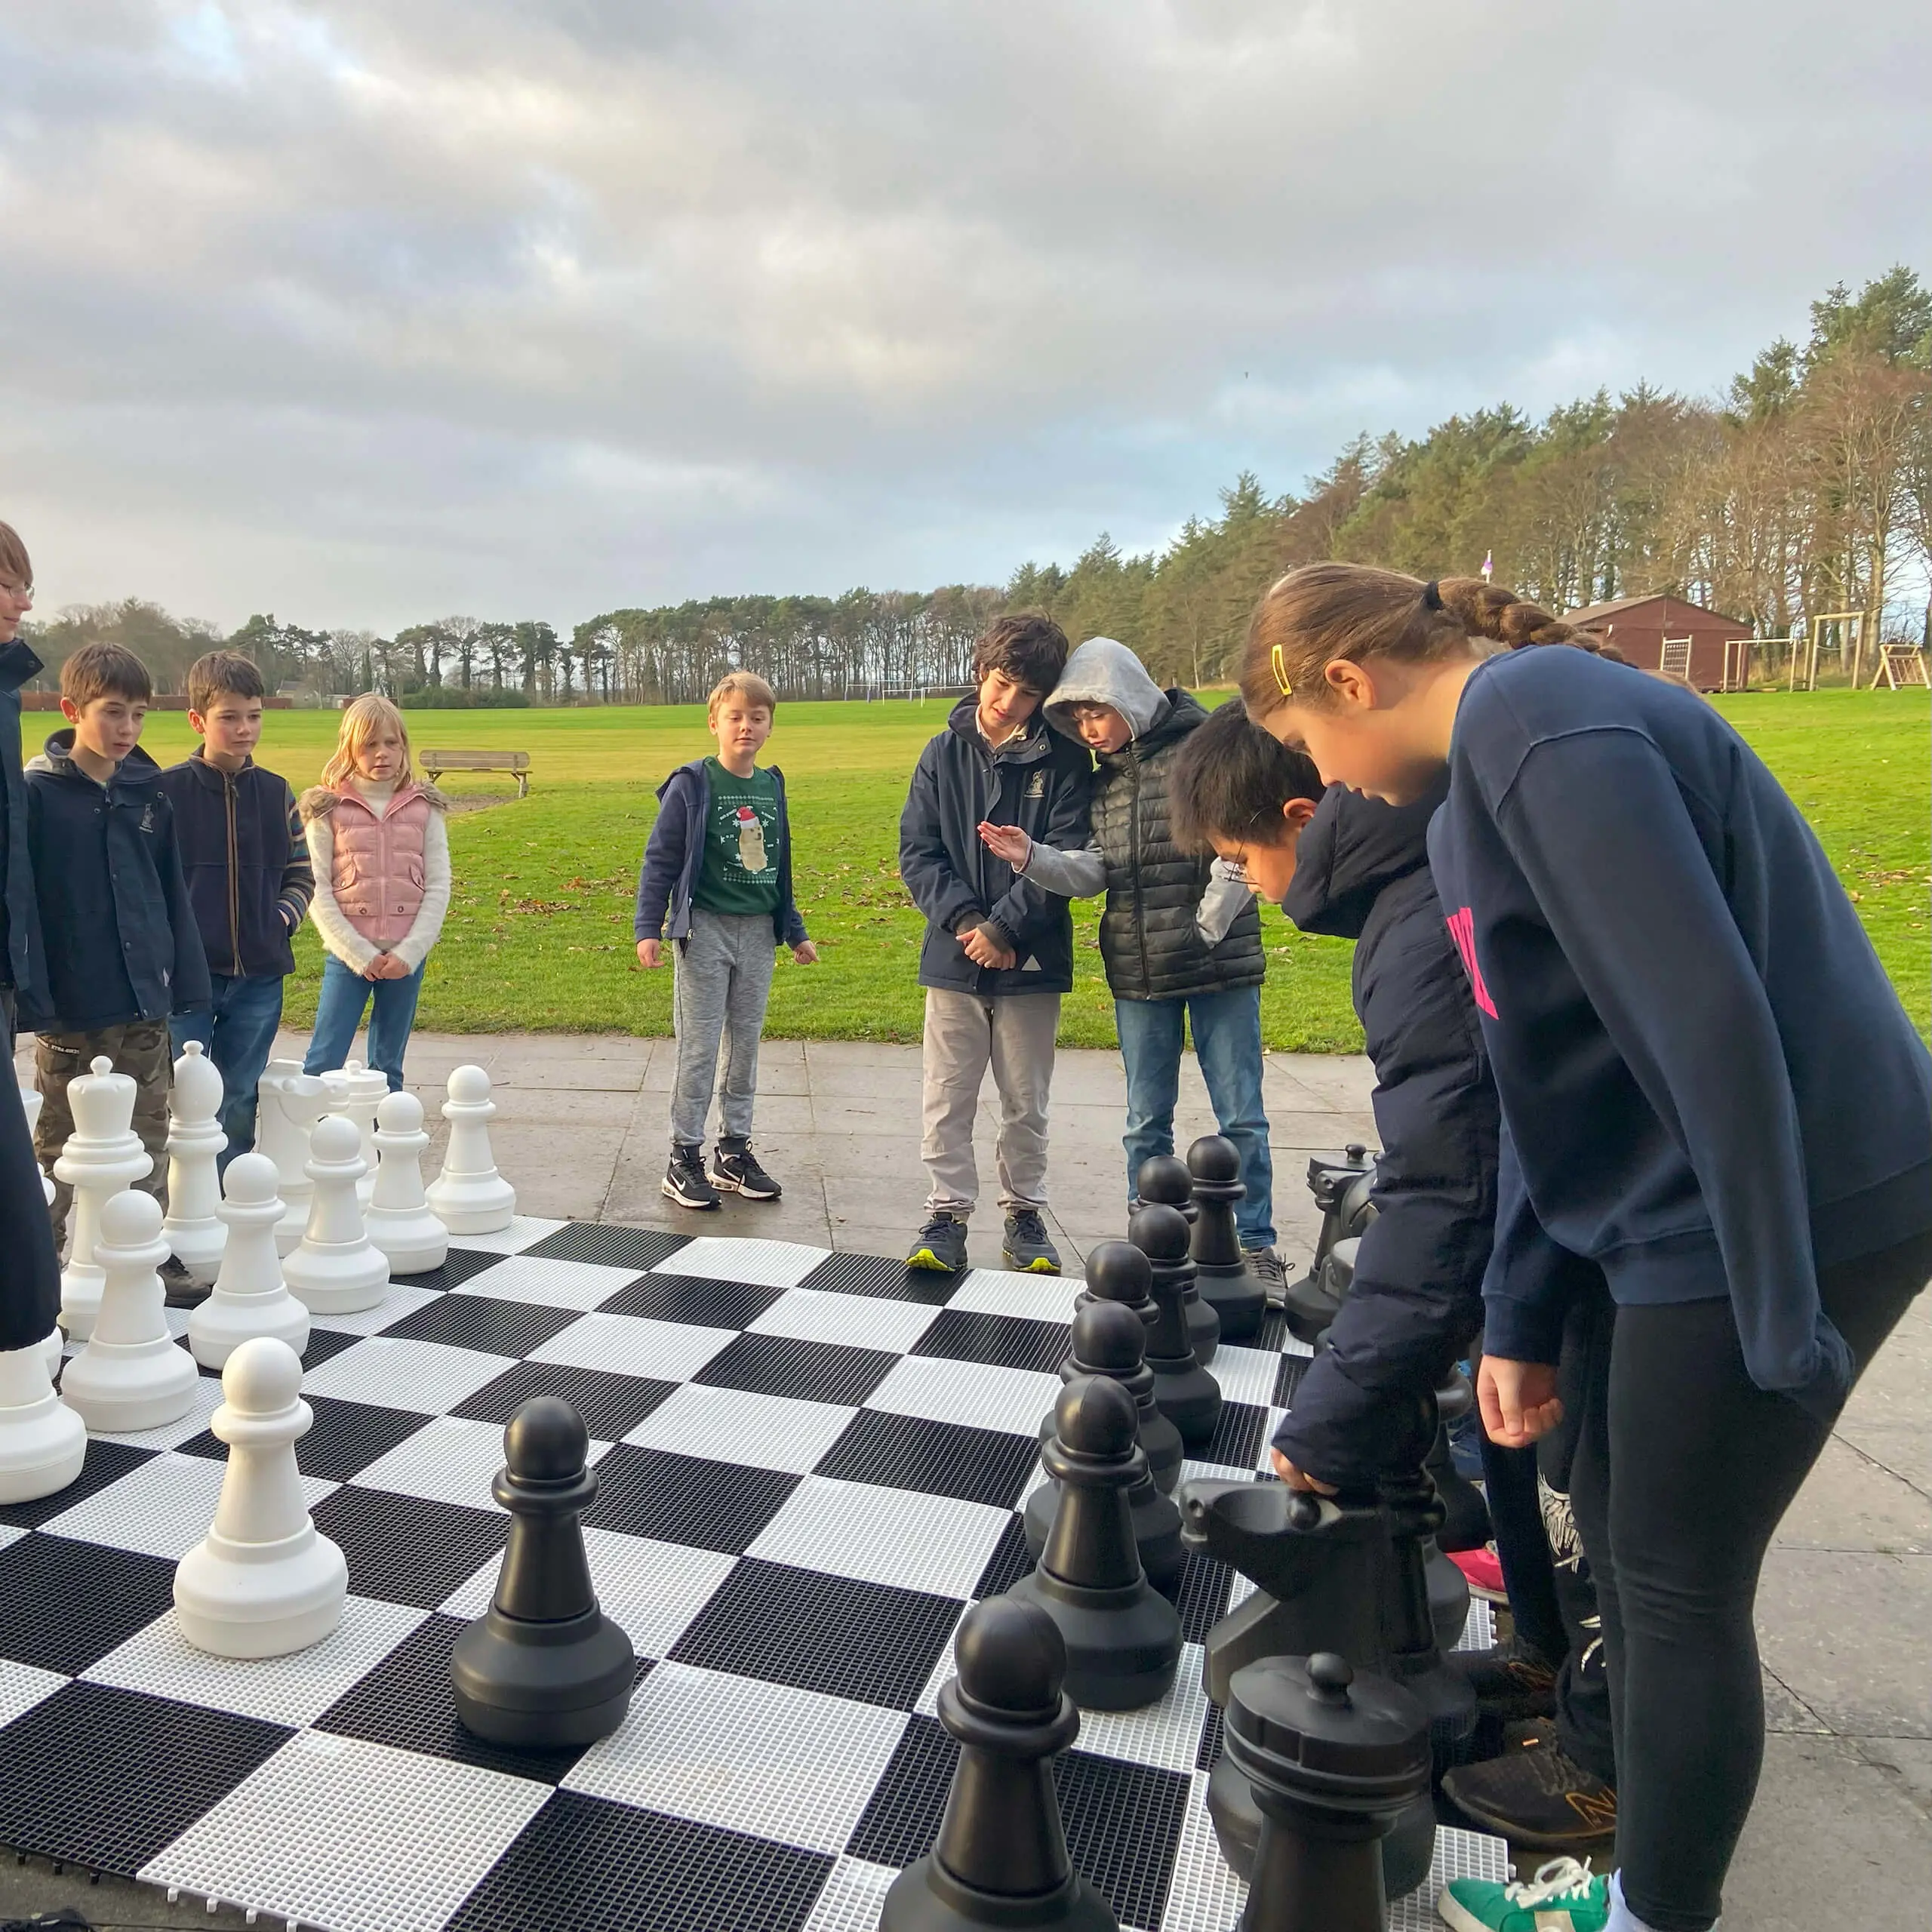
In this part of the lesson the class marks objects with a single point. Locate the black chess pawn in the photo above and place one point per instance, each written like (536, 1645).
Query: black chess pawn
(1000, 1858)
(1164, 1181)
(1123, 1638)
(1220, 1270)
(1333, 1758)
(1108, 1340)
(1184, 1391)
(544, 1669)
(1117, 1272)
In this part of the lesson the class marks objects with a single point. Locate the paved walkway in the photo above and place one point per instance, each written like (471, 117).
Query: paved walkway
(1842, 1832)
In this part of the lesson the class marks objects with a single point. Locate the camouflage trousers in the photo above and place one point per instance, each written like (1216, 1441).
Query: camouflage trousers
(142, 1051)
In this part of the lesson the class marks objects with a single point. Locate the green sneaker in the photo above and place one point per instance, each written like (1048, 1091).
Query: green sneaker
(1564, 1897)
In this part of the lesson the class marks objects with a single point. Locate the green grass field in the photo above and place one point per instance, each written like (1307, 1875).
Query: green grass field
(539, 937)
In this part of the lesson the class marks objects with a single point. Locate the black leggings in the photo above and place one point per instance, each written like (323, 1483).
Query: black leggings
(1683, 1469)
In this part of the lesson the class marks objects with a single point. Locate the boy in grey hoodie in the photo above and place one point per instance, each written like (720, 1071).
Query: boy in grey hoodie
(1180, 936)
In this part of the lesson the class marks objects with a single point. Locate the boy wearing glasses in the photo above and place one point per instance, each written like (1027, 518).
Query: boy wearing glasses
(1180, 936)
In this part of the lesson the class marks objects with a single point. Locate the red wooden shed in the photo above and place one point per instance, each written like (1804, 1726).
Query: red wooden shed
(1718, 658)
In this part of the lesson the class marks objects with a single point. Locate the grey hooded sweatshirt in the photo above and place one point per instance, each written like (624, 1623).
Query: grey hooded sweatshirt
(1103, 670)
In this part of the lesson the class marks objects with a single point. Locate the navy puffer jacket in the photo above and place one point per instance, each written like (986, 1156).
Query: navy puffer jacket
(1361, 873)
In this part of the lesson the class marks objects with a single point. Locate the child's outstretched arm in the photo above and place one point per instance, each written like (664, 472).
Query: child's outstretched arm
(1080, 874)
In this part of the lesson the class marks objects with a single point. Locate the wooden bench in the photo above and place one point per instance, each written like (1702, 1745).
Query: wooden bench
(434, 764)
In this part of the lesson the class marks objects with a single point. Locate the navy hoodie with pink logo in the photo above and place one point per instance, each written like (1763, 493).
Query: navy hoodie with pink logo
(1709, 1085)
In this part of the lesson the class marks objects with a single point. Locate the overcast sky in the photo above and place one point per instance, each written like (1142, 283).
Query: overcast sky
(368, 313)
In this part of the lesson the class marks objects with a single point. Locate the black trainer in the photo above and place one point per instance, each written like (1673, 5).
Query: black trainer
(1535, 1794)
(684, 1179)
(940, 1246)
(1027, 1246)
(1511, 1680)
(179, 1288)
(734, 1170)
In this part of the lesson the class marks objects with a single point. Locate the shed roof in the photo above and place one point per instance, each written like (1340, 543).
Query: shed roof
(1591, 613)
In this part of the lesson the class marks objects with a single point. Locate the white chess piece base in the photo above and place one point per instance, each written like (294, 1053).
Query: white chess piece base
(43, 1443)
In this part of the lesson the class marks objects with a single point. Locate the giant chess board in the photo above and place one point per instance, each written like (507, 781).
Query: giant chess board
(809, 1464)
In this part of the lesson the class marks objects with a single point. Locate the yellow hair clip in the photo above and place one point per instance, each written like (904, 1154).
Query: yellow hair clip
(1281, 673)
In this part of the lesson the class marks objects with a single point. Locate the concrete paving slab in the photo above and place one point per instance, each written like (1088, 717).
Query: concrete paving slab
(1851, 1633)
(1850, 1502)
(1784, 1711)
(1834, 1842)
(1910, 1760)
(1903, 1448)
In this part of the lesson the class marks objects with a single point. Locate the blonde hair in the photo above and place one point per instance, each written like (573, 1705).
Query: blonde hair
(1323, 612)
(360, 717)
(746, 685)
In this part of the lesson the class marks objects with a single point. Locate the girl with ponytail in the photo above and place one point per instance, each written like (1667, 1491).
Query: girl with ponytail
(1714, 1201)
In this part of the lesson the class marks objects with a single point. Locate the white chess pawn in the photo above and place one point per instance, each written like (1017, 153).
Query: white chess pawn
(262, 1582)
(42, 1441)
(195, 1137)
(250, 1298)
(288, 1104)
(368, 1088)
(337, 1268)
(131, 1375)
(399, 1220)
(470, 1197)
(103, 1155)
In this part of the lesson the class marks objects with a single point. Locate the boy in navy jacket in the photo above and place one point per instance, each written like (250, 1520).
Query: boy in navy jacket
(123, 953)
(246, 860)
(999, 948)
(717, 865)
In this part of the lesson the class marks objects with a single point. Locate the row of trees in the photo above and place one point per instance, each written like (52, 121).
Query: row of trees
(1806, 488)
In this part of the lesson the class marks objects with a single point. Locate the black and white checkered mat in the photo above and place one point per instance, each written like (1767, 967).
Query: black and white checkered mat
(809, 1465)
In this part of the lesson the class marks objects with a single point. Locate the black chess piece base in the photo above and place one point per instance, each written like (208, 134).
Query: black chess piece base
(1123, 1645)
(926, 1897)
(542, 1687)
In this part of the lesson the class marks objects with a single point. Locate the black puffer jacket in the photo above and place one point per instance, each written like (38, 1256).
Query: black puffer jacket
(1361, 873)
(1149, 942)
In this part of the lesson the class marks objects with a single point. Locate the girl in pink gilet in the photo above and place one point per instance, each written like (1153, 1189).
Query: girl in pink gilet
(381, 860)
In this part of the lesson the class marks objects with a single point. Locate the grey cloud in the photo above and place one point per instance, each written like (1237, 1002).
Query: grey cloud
(359, 311)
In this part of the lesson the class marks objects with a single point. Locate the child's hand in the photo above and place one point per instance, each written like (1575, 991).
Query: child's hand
(650, 952)
(805, 953)
(1296, 1478)
(1517, 1399)
(1007, 842)
(387, 966)
(982, 950)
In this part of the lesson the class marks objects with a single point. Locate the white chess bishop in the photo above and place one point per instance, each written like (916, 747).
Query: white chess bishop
(399, 1220)
(195, 1138)
(32, 1099)
(470, 1197)
(336, 1269)
(251, 1298)
(288, 1104)
(103, 1155)
(131, 1375)
(43, 1443)
(263, 1581)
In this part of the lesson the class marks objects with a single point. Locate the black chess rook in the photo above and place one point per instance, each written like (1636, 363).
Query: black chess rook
(1108, 1340)
(1000, 1858)
(1117, 1272)
(544, 1669)
(1122, 1636)
(1220, 1270)
(1184, 1391)
(1334, 1757)
(1164, 1181)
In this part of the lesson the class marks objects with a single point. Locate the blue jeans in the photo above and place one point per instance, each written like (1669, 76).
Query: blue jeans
(238, 1032)
(338, 1012)
(1227, 1042)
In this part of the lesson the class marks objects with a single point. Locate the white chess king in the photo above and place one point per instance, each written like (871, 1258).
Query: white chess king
(263, 1581)
(470, 1197)
(103, 1154)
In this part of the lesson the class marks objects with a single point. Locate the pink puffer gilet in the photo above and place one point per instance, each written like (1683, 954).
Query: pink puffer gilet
(380, 869)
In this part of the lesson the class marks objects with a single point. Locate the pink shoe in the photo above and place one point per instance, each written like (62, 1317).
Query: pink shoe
(1483, 1569)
